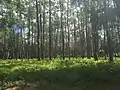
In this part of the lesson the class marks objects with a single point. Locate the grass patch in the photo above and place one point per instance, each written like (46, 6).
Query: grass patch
(62, 72)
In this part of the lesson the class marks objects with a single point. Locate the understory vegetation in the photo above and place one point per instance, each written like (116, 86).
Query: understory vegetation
(73, 72)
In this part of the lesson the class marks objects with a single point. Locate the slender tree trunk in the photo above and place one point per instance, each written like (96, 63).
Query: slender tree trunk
(94, 33)
(82, 33)
(68, 29)
(74, 37)
(50, 41)
(43, 38)
(61, 20)
(105, 49)
(38, 31)
(41, 33)
(28, 49)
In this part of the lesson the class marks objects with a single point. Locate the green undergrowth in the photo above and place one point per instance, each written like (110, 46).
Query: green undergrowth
(67, 72)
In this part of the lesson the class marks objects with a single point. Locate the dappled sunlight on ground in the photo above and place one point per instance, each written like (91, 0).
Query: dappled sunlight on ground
(76, 74)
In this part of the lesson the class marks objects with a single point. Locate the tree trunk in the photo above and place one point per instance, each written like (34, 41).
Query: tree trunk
(50, 41)
(38, 31)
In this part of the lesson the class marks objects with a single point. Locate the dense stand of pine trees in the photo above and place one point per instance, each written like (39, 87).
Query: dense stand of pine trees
(60, 28)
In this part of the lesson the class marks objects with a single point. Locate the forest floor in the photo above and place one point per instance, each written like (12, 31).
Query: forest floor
(90, 86)
(74, 74)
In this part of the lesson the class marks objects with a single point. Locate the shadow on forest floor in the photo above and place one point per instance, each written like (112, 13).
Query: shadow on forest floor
(86, 86)
(87, 76)
(67, 79)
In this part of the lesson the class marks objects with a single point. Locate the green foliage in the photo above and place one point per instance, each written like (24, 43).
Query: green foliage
(59, 71)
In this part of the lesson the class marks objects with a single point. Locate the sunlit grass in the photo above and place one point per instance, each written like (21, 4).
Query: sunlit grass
(59, 71)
